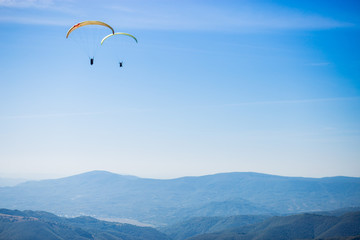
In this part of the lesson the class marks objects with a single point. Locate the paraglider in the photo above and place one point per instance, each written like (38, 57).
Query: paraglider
(90, 37)
(88, 34)
(119, 33)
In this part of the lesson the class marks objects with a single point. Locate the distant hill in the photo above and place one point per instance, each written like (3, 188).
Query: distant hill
(10, 182)
(302, 226)
(338, 212)
(200, 225)
(108, 195)
(20, 225)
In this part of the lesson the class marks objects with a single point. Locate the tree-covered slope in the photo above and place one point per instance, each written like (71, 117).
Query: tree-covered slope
(303, 226)
(200, 225)
(22, 225)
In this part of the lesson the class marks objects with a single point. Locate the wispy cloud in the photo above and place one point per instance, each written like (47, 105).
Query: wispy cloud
(313, 100)
(319, 64)
(187, 15)
(207, 17)
(278, 102)
(78, 114)
(27, 3)
(51, 115)
(35, 21)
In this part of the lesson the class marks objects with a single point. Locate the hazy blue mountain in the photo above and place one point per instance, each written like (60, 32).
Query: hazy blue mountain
(104, 194)
(20, 225)
(303, 226)
(10, 182)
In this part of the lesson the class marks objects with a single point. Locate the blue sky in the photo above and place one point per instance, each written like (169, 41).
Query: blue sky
(211, 86)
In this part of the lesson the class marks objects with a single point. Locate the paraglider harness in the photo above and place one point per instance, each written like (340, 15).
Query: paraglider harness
(92, 62)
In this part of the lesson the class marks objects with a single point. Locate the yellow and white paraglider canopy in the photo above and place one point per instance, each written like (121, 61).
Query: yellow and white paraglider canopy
(85, 23)
(121, 47)
(88, 34)
(118, 33)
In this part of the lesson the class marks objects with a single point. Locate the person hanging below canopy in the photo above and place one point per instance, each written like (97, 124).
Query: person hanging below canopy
(120, 44)
(87, 35)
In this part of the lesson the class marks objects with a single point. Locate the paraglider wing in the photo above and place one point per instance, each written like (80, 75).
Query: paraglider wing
(88, 23)
(118, 33)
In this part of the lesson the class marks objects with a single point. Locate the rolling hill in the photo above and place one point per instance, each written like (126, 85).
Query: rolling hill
(20, 225)
(161, 202)
(302, 226)
(201, 225)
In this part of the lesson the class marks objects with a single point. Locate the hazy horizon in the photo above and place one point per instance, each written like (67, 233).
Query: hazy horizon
(40, 177)
(233, 86)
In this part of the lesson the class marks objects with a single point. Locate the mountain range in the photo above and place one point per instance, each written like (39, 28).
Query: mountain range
(21, 225)
(162, 202)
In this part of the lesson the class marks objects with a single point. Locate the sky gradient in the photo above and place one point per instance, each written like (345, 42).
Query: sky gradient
(211, 86)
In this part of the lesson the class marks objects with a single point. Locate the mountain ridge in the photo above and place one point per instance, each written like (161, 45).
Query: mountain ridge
(249, 174)
(163, 201)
